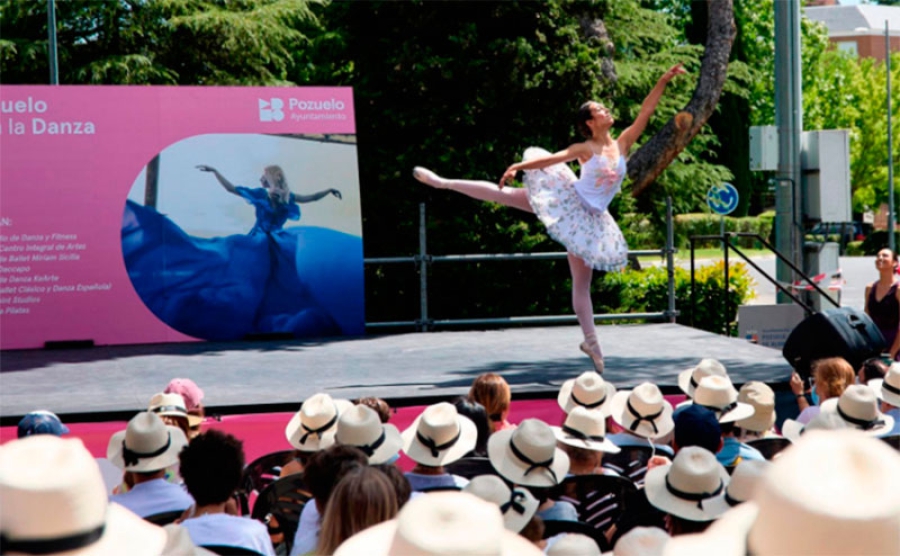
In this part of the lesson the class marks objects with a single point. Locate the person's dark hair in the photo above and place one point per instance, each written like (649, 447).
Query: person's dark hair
(541, 494)
(534, 529)
(399, 480)
(871, 369)
(476, 412)
(380, 406)
(326, 468)
(582, 116)
(697, 426)
(681, 526)
(211, 467)
(729, 428)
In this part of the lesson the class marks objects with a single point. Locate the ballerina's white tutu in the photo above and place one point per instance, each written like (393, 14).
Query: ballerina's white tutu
(574, 210)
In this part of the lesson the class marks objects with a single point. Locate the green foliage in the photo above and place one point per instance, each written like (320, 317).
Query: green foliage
(647, 291)
(854, 249)
(687, 225)
(876, 241)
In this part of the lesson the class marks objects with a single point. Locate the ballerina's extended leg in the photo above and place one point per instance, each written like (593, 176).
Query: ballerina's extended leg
(584, 310)
(514, 197)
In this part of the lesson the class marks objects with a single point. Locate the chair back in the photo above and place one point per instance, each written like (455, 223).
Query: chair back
(600, 500)
(470, 467)
(260, 473)
(226, 550)
(893, 440)
(164, 518)
(769, 447)
(630, 462)
(553, 527)
(278, 507)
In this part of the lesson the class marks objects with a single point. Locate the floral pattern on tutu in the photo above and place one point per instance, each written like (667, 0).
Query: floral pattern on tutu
(590, 234)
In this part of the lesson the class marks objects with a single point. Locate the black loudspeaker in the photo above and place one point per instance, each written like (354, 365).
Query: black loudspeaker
(845, 332)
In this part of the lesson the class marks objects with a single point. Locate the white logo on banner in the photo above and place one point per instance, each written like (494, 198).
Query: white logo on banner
(270, 110)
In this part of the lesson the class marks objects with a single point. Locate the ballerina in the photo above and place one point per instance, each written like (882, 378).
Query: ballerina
(573, 209)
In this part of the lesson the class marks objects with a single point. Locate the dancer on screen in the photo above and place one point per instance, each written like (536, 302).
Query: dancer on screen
(574, 209)
(271, 279)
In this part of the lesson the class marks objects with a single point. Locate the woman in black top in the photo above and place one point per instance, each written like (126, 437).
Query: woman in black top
(883, 300)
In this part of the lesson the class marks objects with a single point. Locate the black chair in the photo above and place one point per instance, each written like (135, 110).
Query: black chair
(631, 462)
(599, 499)
(554, 527)
(470, 467)
(892, 440)
(278, 507)
(225, 550)
(259, 474)
(769, 447)
(164, 518)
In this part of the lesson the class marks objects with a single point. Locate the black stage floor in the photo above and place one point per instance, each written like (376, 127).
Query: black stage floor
(97, 383)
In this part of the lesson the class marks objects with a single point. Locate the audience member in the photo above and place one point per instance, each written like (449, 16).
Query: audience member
(534, 531)
(689, 379)
(312, 429)
(361, 427)
(573, 544)
(170, 407)
(642, 541)
(517, 505)
(686, 489)
(362, 498)
(833, 492)
(323, 471)
(583, 438)
(644, 415)
(859, 408)
(437, 437)
(888, 390)
(762, 423)
(717, 394)
(742, 484)
(54, 502)
(41, 422)
(588, 390)
(830, 377)
(455, 523)
(492, 391)
(380, 406)
(399, 480)
(872, 369)
(193, 401)
(145, 449)
(697, 426)
(211, 466)
(478, 415)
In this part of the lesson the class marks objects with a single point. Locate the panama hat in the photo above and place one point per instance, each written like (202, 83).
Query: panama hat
(717, 394)
(518, 505)
(828, 421)
(171, 405)
(643, 411)
(762, 398)
(588, 390)
(585, 428)
(54, 502)
(527, 455)
(147, 444)
(742, 483)
(888, 389)
(574, 544)
(641, 541)
(441, 524)
(313, 427)
(688, 486)
(440, 435)
(858, 407)
(360, 426)
(689, 379)
(832, 493)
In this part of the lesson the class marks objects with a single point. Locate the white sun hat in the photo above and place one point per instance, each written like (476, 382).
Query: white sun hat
(517, 505)
(168, 404)
(360, 426)
(858, 407)
(574, 544)
(147, 444)
(688, 486)
(55, 502)
(743, 482)
(888, 389)
(717, 394)
(762, 398)
(642, 541)
(588, 390)
(643, 411)
(313, 427)
(833, 492)
(441, 524)
(689, 379)
(527, 455)
(585, 428)
(440, 435)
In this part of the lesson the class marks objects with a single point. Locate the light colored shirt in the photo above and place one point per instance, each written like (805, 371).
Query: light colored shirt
(229, 530)
(154, 497)
(307, 536)
(559, 511)
(895, 413)
(732, 449)
(426, 482)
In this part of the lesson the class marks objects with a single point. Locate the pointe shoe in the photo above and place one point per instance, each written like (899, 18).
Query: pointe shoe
(596, 358)
(428, 177)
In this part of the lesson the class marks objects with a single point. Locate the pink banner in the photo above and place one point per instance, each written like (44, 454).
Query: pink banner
(71, 156)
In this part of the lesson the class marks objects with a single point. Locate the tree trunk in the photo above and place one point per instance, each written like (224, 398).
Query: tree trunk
(648, 162)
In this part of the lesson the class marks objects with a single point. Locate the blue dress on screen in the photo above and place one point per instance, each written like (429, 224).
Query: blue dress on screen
(304, 280)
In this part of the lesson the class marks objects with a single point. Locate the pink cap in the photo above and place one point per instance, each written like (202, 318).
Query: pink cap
(188, 389)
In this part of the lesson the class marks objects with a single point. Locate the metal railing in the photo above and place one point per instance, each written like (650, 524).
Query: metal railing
(727, 246)
(423, 260)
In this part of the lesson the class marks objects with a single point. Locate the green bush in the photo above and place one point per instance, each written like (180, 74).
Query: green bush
(699, 224)
(642, 291)
(854, 249)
